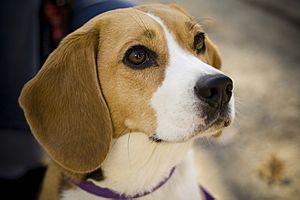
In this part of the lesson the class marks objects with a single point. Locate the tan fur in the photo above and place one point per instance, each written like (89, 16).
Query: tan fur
(212, 55)
(84, 94)
(50, 189)
(128, 91)
(184, 27)
(64, 105)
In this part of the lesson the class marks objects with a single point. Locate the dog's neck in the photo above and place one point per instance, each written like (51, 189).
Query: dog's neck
(136, 164)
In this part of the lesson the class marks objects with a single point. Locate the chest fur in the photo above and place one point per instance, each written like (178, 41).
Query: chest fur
(135, 165)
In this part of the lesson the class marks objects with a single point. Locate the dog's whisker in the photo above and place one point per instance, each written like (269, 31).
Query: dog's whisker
(128, 149)
(122, 133)
(144, 25)
(151, 155)
(128, 131)
(138, 23)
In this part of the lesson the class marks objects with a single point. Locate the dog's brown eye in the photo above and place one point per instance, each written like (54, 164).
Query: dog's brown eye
(139, 57)
(199, 43)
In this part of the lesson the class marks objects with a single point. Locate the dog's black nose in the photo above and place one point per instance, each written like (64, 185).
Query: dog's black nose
(216, 90)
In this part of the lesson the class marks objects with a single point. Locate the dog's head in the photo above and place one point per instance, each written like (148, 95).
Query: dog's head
(148, 69)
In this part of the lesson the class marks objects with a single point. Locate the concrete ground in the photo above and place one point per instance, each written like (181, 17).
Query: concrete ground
(258, 157)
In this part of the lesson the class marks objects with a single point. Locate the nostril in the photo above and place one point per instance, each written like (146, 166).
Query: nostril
(229, 88)
(213, 92)
(208, 92)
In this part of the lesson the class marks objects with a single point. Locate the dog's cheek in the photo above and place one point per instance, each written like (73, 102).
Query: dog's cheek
(143, 120)
(128, 94)
(141, 116)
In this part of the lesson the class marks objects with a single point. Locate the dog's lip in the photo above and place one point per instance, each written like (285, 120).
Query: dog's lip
(217, 134)
(215, 129)
(155, 138)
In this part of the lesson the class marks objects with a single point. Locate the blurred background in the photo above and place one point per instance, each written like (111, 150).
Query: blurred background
(257, 158)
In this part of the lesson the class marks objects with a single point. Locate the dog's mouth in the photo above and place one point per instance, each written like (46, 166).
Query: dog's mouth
(215, 128)
(214, 122)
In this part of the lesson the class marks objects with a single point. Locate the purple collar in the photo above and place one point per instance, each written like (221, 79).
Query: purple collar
(90, 187)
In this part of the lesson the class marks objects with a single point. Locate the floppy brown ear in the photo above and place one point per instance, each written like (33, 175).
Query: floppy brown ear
(213, 55)
(65, 107)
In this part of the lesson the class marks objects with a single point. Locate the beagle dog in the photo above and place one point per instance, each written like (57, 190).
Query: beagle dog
(118, 104)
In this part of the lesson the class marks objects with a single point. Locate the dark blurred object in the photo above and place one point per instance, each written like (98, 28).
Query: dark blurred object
(26, 187)
(19, 151)
(83, 10)
(19, 57)
(30, 31)
(55, 19)
(60, 17)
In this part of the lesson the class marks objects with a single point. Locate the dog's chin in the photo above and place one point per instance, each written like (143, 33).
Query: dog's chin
(216, 128)
(213, 127)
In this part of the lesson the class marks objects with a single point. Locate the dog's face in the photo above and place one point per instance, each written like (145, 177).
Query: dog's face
(148, 69)
(149, 75)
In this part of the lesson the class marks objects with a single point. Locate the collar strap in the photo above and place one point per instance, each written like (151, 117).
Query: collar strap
(90, 187)
(206, 194)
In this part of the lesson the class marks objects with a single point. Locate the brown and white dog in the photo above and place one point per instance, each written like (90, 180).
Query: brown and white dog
(121, 99)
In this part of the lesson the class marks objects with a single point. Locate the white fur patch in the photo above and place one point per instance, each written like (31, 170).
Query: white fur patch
(174, 101)
(135, 164)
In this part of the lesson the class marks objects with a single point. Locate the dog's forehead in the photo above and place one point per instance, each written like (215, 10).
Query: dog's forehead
(174, 19)
(136, 21)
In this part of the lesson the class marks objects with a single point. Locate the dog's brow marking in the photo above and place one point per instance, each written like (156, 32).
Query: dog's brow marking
(147, 31)
(149, 34)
